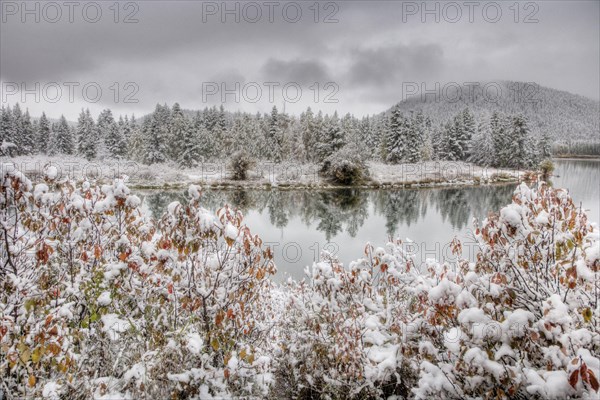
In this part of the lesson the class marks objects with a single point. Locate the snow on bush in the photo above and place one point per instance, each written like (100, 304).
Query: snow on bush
(100, 301)
(95, 302)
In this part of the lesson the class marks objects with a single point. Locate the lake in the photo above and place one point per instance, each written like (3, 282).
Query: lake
(299, 224)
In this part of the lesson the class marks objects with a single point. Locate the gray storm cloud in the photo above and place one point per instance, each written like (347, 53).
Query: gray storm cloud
(367, 48)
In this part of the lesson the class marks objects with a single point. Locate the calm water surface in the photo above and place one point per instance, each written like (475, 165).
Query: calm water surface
(300, 224)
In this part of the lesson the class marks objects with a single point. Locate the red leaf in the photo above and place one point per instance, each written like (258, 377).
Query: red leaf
(593, 380)
(574, 378)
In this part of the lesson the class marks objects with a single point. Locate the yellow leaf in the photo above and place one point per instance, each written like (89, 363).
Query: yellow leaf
(36, 355)
(31, 381)
(214, 344)
(587, 315)
(24, 353)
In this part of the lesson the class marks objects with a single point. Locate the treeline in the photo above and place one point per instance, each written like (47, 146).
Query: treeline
(171, 134)
(576, 148)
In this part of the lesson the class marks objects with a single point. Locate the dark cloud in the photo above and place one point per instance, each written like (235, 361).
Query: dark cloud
(303, 72)
(367, 48)
(391, 65)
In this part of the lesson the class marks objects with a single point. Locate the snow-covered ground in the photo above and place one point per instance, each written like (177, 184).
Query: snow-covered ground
(263, 175)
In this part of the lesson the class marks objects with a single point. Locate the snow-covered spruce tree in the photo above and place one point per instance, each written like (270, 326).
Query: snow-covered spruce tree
(308, 133)
(136, 144)
(27, 143)
(112, 137)
(500, 136)
(43, 134)
(7, 132)
(184, 146)
(17, 129)
(370, 137)
(544, 146)
(63, 138)
(396, 140)
(87, 135)
(468, 132)
(350, 129)
(274, 138)
(191, 154)
(482, 147)
(330, 137)
(156, 134)
(451, 149)
(415, 137)
(206, 143)
(519, 151)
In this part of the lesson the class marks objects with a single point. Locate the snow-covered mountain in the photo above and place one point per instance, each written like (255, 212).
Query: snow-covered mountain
(564, 115)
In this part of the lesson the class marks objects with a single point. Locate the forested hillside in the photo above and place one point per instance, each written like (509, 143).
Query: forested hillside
(563, 115)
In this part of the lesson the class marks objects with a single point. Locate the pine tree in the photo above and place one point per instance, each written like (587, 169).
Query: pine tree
(414, 140)
(114, 142)
(63, 137)
(397, 137)
(157, 135)
(18, 131)
(136, 146)
(368, 137)
(205, 141)
(350, 130)
(178, 128)
(125, 128)
(499, 138)
(331, 137)
(274, 137)
(28, 142)
(427, 141)
(7, 133)
(468, 131)
(544, 146)
(482, 147)
(308, 134)
(191, 154)
(519, 144)
(43, 134)
(451, 140)
(87, 135)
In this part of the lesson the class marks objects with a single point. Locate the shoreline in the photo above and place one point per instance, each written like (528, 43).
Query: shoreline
(250, 185)
(575, 157)
(264, 176)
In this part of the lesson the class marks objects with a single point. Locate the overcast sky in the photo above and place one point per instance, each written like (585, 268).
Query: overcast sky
(360, 54)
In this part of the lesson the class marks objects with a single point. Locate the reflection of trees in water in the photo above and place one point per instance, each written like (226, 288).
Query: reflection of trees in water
(453, 205)
(335, 211)
(157, 202)
(401, 206)
(458, 205)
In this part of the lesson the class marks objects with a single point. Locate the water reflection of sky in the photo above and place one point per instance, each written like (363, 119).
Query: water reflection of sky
(300, 224)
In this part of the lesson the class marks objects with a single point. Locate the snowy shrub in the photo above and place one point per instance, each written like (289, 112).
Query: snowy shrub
(95, 302)
(342, 335)
(522, 321)
(345, 166)
(99, 301)
(240, 163)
